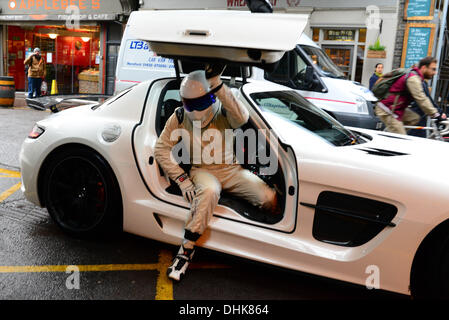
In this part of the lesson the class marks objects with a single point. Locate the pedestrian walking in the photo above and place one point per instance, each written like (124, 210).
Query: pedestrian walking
(36, 73)
(378, 71)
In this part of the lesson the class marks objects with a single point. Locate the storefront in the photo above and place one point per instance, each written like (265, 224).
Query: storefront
(346, 47)
(70, 55)
(74, 41)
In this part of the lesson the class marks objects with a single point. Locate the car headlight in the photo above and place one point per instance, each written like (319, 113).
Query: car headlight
(362, 106)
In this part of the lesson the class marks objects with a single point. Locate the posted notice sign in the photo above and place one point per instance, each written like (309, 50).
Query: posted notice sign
(419, 9)
(418, 43)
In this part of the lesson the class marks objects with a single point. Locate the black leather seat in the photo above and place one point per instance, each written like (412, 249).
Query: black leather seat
(169, 106)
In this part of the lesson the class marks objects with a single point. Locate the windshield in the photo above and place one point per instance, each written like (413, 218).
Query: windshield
(294, 108)
(323, 62)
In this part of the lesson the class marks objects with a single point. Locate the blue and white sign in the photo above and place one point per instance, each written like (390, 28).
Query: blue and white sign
(139, 56)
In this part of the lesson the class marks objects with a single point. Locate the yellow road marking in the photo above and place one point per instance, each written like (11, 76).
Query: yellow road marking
(164, 286)
(82, 268)
(28, 108)
(5, 173)
(10, 191)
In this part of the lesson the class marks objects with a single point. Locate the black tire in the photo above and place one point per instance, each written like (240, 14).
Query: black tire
(81, 193)
(430, 277)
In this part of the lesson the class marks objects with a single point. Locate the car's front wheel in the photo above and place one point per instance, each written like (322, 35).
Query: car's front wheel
(430, 273)
(81, 193)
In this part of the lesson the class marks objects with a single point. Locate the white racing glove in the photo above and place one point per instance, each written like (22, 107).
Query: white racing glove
(187, 187)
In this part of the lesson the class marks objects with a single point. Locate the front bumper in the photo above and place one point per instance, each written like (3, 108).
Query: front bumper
(30, 163)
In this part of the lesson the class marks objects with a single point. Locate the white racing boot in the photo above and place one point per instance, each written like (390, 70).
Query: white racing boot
(180, 263)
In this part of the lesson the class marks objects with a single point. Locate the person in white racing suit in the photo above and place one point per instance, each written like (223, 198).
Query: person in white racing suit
(203, 185)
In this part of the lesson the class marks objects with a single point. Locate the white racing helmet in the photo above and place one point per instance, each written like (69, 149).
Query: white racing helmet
(198, 101)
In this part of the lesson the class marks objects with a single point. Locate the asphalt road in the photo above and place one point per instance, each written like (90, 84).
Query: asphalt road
(38, 261)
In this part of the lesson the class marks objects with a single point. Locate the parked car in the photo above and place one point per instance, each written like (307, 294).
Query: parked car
(354, 200)
(306, 68)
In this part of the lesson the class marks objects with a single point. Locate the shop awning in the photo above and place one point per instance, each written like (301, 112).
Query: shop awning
(59, 17)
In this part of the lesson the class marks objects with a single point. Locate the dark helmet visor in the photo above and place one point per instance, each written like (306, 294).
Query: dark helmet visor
(199, 104)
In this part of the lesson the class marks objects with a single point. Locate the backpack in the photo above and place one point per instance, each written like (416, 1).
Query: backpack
(382, 86)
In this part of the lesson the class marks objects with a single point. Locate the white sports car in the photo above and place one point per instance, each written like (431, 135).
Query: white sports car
(361, 206)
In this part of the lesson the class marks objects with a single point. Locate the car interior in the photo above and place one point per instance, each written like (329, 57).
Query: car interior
(168, 102)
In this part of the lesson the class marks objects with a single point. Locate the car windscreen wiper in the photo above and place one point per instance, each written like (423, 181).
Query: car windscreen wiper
(351, 140)
(348, 142)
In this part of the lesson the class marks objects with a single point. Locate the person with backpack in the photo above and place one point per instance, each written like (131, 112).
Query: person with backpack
(36, 72)
(423, 121)
(404, 87)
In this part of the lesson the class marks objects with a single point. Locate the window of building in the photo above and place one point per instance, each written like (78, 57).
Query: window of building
(346, 47)
(362, 35)
(339, 35)
(316, 34)
(71, 56)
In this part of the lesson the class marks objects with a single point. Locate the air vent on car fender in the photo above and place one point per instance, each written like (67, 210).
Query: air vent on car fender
(348, 220)
(382, 152)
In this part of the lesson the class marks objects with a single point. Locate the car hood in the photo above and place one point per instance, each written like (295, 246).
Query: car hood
(425, 151)
(381, 150)
(402, 170)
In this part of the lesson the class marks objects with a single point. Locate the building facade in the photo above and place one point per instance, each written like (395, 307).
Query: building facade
(81, 43)
(78, 39)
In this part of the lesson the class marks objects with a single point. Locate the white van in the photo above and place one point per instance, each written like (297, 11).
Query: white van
(307, 69)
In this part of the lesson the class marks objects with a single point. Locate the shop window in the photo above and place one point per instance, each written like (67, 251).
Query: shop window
(339, 35)
(359, 63)
(342, 57)
(362, 35)
(71, 56)
(316, 34)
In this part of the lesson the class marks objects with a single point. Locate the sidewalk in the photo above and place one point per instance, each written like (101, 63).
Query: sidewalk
(20, 99)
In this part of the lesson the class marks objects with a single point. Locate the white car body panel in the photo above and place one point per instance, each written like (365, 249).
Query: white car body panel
(242, 29)
(402, 181)
(310, 163)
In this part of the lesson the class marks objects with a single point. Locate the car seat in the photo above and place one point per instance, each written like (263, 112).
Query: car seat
(169, 108)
